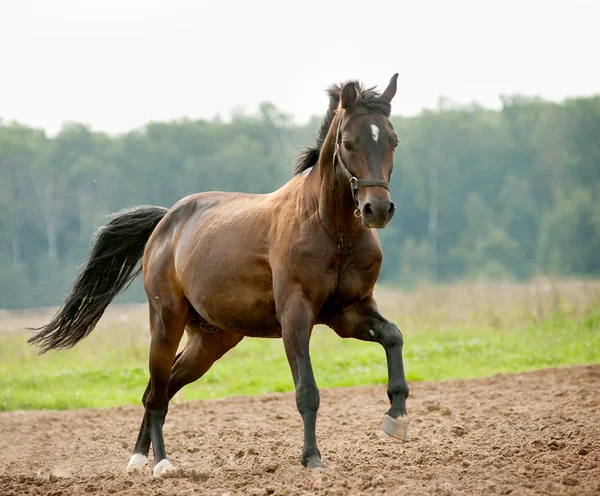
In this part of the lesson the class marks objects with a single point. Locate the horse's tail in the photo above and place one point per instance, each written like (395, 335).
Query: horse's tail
(111, 266)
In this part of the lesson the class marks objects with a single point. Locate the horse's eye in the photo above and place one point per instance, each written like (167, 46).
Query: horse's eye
(347, 145)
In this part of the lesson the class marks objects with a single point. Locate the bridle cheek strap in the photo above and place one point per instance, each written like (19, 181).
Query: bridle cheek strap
(355, 183)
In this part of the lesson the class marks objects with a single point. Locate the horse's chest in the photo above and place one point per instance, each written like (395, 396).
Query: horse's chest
(357, 275)
(355, 280)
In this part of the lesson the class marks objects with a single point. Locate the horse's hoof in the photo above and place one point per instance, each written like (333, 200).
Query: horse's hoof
(162, 467)
(396, 427)
(137, 462)
(316, 466)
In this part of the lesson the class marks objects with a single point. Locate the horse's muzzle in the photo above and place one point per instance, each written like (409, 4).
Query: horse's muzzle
(376, 213)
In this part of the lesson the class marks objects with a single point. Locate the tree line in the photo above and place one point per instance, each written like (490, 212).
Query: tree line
(480, 193)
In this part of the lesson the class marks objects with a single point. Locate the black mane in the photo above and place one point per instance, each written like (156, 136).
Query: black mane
(370, 99)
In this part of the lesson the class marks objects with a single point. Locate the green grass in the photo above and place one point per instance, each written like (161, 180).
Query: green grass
(110, 367)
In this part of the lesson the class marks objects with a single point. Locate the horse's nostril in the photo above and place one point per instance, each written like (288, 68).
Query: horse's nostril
(368, 209)
(392, 208)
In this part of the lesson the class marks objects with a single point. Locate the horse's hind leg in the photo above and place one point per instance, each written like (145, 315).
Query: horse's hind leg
(139, 459)
(167, 323)
(201, 351)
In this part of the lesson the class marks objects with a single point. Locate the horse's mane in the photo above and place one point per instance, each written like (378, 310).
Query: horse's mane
(370, 99)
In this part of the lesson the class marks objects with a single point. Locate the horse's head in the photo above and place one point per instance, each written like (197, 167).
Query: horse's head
(365, 143)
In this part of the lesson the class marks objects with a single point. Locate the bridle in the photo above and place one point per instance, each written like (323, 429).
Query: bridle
(355, 183)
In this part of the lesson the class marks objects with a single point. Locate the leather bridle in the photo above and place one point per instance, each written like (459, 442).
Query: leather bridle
(355, 183)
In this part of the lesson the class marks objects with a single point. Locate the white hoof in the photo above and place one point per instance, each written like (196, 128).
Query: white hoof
(162, 467)
(137, 462)
(396, 427)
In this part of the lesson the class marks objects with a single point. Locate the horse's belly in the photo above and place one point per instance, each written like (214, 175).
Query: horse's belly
(244, 311)
(235, 295)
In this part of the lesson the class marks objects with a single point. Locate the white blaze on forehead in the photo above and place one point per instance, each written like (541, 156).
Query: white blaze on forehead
(374, 132)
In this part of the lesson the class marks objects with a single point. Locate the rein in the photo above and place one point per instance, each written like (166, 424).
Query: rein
(355, 183)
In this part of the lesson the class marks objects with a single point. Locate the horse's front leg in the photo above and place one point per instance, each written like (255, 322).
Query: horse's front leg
(363, 321)
(296, 317)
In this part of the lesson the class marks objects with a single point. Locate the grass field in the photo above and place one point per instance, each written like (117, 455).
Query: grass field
(450, 332)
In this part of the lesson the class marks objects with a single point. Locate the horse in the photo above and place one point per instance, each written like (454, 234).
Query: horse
(223, 266)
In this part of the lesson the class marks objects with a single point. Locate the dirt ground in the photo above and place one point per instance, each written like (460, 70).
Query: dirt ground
(533, 433)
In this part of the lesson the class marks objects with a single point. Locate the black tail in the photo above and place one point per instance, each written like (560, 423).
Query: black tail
(112, 265)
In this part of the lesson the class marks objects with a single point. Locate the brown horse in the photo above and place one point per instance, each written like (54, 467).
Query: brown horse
(222, 266)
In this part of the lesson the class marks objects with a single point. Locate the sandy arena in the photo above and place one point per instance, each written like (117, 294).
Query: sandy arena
(533, 433)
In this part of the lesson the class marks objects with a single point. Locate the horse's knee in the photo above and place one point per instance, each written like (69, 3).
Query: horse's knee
(391, 337)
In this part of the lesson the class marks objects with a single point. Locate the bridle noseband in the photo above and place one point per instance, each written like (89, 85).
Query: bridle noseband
(355, 183)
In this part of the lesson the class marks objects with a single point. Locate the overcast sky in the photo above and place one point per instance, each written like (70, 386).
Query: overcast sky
(116, 64)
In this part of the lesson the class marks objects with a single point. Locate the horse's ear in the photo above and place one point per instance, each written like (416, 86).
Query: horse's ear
(390, 91)
(349, 96)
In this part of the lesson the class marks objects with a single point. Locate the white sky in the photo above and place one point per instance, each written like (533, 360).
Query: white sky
(116, 64)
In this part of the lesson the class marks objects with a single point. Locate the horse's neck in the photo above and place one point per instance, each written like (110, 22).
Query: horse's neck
(336, 205)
